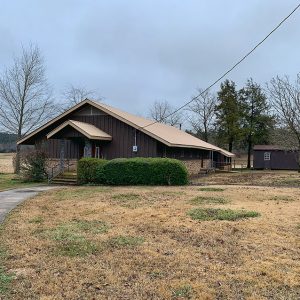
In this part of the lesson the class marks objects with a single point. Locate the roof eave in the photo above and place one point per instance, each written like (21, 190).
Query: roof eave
(22, 140)
(70, 123)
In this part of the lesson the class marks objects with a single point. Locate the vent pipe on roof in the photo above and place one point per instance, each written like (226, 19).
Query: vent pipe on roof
(180, 126)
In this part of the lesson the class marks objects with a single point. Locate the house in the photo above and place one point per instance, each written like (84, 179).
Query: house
(275, 157)
(93, 129)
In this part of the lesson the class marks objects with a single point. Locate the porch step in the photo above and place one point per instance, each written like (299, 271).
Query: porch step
(65, 179)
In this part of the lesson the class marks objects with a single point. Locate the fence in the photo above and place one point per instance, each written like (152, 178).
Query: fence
(240, 164)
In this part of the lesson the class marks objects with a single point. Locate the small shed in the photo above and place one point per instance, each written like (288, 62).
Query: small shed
(275, 157)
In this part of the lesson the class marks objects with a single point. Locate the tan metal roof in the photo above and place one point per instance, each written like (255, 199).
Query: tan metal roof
(88, 130)
(166, 134)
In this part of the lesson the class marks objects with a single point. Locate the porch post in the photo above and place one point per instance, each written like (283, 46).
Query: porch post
(62, 155)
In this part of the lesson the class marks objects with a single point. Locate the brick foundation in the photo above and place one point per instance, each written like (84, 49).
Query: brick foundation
(194, 165)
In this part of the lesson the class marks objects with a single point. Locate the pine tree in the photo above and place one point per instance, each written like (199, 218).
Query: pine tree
(228, 114)
(256, 121)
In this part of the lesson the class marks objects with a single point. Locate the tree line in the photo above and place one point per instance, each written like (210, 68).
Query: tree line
(237, 119)
(231, 118)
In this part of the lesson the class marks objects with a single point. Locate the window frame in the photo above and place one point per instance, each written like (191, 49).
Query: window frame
(267, 156)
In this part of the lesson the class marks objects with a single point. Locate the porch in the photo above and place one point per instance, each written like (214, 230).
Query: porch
(84, 140)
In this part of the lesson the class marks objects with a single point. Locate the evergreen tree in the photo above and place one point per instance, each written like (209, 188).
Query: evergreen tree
(228, 115)
(256, 122)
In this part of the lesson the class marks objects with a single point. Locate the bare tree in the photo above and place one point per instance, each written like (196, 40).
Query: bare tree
(285, 98)
(161, 111)
(203, 109)
(75, 94)
(25, 97)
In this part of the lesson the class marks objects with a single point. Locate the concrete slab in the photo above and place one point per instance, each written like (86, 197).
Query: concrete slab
(11, 198)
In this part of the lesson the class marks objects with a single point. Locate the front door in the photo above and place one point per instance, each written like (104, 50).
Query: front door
(96, 150)
(90, 149)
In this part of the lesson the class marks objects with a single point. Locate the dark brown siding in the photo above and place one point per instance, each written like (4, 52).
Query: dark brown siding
(280, 160)
(52, 148)
(181, 153)
(123, 137)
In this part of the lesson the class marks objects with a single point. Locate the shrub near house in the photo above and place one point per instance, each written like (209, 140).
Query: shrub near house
(90, 170)
(132, 171)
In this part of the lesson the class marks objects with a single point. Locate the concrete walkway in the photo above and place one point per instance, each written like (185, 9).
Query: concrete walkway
(11, 198)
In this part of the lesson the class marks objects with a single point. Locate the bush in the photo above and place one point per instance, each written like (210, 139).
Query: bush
(145, 171)
(33, 165)
(90, 170)
(132, 171)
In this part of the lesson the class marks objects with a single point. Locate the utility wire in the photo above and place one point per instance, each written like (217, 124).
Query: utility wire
(227, 72)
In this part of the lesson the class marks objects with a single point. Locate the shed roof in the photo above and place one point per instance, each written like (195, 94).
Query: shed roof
(88, 130)
(168, 135)
(271, 147)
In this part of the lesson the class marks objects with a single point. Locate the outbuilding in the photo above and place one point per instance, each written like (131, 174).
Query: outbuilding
(275, 157)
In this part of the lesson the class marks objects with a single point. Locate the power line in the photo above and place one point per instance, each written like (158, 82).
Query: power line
(228, 71)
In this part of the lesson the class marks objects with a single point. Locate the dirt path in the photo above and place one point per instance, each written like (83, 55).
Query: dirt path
(11, 198)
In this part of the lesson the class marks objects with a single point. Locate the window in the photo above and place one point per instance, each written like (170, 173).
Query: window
(267, 155)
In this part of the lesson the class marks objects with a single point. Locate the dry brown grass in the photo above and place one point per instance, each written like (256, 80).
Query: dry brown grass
(6, 165)
(151, 248)
(260, 178)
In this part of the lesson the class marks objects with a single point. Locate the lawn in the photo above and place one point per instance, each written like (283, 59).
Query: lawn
(224, 242)
(252, 177)
(6, 164)
(11, 181)
(7, 179)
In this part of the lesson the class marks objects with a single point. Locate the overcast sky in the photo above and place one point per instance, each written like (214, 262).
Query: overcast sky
(133, 52)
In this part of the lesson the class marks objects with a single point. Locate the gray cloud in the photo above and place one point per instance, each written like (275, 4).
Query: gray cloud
(135, 52)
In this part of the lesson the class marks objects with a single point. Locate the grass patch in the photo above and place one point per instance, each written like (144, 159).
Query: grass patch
(208, 200)
(209, 214)
(183, 292)
(124, 241)
(70, 237)
(171, 193)
(5, 278)
(283, 198)
(129, 200)
(211, 189)
(12, 181)
(64, 233)
(3, 254)
(94, 226)
(125, 197)
(156, 274)
(288, 181)
(77, 247)
(36, 220)
(71, 240)
(80, 193)
(75, 229)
